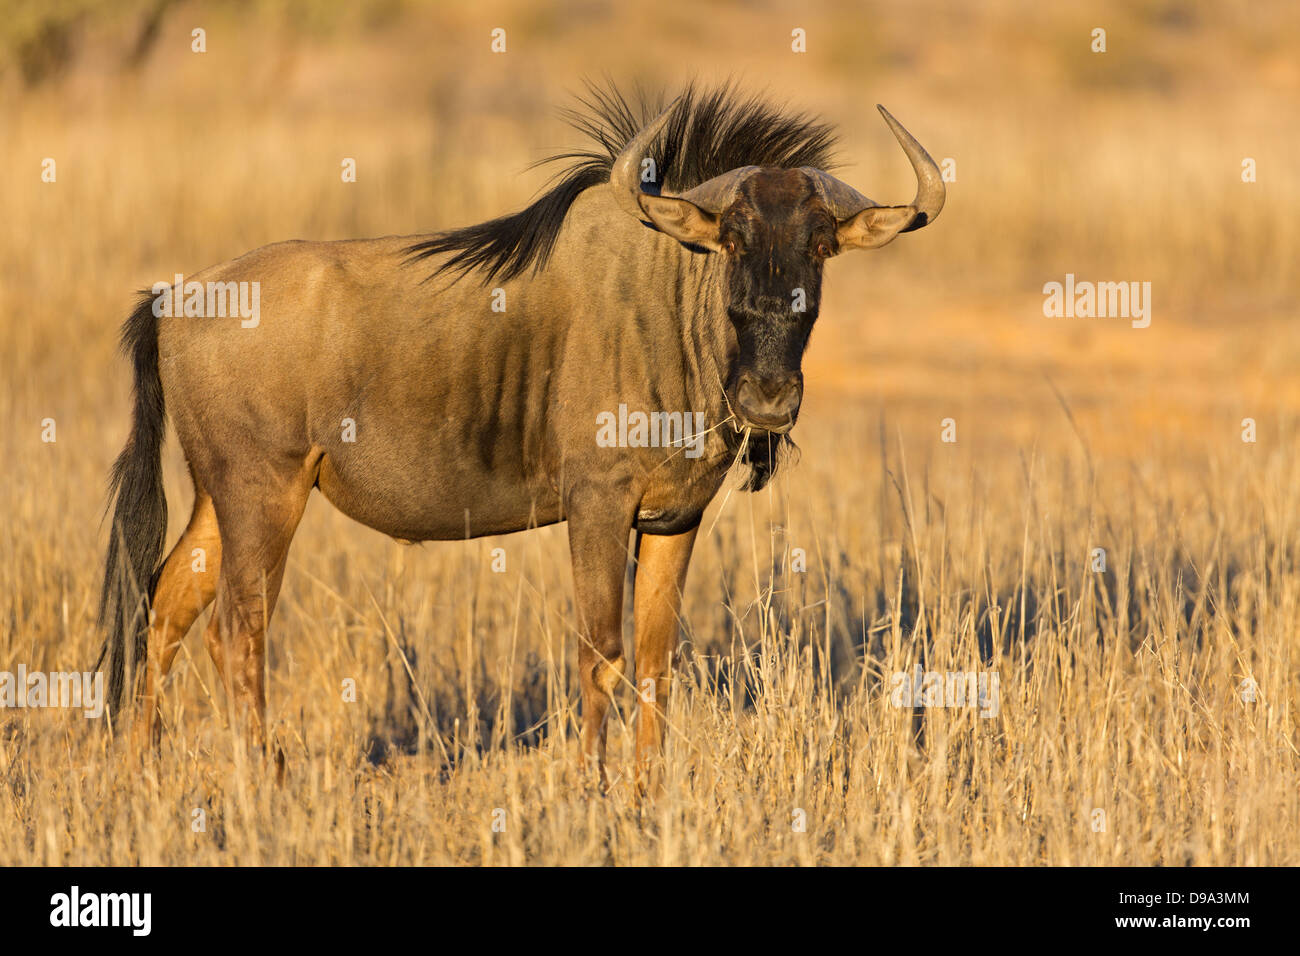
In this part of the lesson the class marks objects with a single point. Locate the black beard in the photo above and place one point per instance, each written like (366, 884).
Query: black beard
(764, 453)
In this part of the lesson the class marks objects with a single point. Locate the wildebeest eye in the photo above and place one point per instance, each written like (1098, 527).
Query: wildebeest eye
(823, 250)
(729, 247)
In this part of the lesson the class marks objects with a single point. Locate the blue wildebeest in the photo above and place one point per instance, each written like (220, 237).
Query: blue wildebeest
(659, 274)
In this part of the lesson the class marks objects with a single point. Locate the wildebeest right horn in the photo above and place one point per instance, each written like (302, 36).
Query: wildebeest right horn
(845, 202)
(930, 191)
(864, 224)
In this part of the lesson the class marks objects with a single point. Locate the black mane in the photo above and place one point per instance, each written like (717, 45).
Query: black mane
(708, 134)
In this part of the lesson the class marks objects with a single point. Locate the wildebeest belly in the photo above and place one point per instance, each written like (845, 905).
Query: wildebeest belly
(443, 501)
(434, 448)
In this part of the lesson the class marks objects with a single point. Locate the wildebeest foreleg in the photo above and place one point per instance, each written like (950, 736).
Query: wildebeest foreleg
(598, 541)
(661, 563)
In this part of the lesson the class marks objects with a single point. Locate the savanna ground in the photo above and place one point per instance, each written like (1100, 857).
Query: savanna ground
(1126, 691)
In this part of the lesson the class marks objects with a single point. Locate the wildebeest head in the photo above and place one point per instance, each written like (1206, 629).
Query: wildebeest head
(775, 228)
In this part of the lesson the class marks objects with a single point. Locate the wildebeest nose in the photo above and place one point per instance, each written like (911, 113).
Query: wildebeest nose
(769, 402)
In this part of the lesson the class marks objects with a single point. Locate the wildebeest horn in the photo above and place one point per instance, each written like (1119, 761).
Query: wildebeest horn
(712, 196)
(720, 191)
(625, 174)
(930, 191)
(864, 224)
(691, 216)
(845, 202)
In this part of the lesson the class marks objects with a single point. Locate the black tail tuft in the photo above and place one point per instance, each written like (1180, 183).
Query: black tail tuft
(139, 506)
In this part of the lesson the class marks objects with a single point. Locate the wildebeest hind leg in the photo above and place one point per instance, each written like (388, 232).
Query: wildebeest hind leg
(258, 516)
(186, 585)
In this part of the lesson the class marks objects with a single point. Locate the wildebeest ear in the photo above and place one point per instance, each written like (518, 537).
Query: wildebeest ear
(683, 220)
(874, 226)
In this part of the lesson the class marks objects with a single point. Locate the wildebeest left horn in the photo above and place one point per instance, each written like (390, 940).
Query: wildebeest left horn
(690, 217)
(625, 174)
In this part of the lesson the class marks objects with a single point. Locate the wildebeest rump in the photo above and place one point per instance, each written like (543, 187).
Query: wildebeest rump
(674, 267)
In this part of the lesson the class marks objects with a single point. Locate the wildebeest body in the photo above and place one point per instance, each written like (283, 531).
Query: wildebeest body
(451, 385)
(467, 421)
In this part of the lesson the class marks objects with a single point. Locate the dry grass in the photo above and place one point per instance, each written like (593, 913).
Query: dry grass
(1119, 691)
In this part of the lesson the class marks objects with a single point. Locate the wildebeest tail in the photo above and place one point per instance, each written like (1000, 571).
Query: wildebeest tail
(139, 508)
